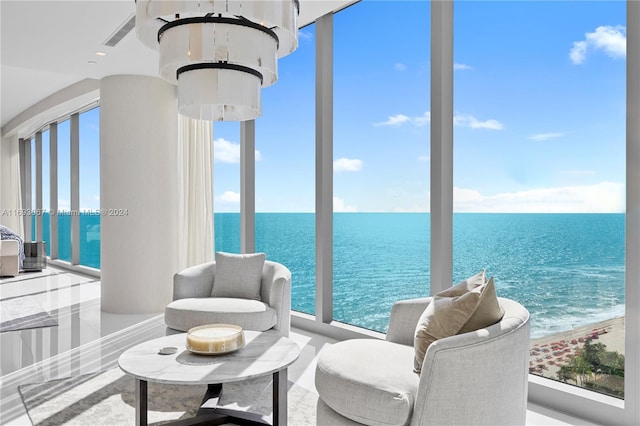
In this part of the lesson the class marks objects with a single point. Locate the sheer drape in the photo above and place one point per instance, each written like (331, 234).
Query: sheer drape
(11, 201)
(195, 142)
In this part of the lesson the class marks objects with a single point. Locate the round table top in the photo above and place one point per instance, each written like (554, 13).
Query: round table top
(263, 353)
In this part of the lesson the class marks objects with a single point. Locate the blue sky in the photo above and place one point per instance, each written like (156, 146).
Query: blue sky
(539, 105)
(553, 75)
(89, 163)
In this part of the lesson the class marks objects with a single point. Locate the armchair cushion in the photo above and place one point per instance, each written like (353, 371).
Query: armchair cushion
(238, 275)
(183, 314)
(272, 310)
(404, 318)
(468, 306)
(367, 381)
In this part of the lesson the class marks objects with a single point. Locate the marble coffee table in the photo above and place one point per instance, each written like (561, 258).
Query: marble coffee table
(264, 353)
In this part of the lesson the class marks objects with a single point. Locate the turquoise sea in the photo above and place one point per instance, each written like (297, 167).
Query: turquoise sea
(89, 237)
(567, 269)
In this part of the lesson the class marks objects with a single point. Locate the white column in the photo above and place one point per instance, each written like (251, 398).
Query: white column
(138, 193)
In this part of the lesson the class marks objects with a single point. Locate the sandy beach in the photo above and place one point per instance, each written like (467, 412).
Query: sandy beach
(548, 353)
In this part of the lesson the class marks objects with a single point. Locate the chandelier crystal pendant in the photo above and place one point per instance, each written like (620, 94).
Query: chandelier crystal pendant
(219, 53)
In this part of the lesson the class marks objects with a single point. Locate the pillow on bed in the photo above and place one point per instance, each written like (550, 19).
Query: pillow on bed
(468, 306)
(238, 275)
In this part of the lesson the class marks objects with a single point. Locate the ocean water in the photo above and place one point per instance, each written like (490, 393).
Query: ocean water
(567, 269)
(89, 237)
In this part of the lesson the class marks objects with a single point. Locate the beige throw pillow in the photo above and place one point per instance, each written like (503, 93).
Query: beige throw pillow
(238, 275)
(467, 306)
(465, 286)
(488, 311)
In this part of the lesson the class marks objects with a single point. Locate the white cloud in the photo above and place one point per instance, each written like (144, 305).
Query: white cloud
(461, 67)
(340, 206)
(611, 40)
(546, 136)
(423, 120)
(578, 52)
(229, 197)
(394, 120)
(401, 119)
(400, 67)
(474, 123)
(424, 158)
(347, 165)
(604, 197)
(225, 151)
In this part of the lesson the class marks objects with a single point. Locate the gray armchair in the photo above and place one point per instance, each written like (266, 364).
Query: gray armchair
(193, 304)
(475, 378)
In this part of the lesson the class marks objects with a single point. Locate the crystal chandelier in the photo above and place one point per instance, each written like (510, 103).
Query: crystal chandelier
(219, 52)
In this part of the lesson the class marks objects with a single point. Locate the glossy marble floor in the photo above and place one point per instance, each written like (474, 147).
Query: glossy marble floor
(88, 340)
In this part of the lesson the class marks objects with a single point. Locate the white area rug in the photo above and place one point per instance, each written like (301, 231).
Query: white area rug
(22, 313)
(107, 398)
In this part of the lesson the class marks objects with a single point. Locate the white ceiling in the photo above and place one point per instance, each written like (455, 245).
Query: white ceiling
(47, 45)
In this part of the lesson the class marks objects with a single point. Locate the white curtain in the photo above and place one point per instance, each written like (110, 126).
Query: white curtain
(195, 162)
(10, 193)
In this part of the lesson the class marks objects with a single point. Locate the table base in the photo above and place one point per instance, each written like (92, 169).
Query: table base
(211, 414)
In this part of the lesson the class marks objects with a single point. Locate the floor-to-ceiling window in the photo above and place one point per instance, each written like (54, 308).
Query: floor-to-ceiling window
(52, 181)
(34, 172)
(64, 190)
(381, 159)
(539, 182)
(46, 217)
(285, 177)
(89, 186)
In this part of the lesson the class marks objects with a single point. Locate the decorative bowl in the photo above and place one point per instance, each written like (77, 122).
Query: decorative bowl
(215, 339)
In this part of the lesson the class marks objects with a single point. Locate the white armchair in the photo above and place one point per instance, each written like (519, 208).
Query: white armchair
(475, 378)
(193, 304)
(9, 258)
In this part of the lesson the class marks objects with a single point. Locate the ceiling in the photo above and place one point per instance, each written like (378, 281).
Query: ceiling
(48, 45)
